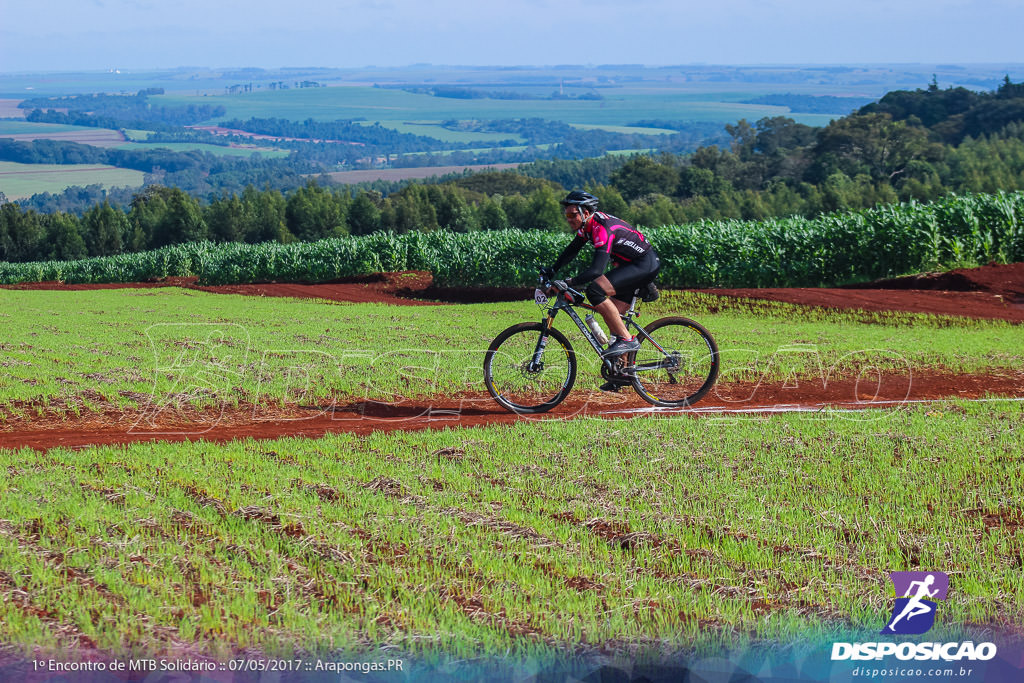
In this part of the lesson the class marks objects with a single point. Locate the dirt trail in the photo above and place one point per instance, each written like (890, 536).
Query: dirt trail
(363, 417)
(988, 292)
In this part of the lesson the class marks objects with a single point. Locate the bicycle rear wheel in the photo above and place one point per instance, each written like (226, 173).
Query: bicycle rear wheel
(678, 365)
(524, 381)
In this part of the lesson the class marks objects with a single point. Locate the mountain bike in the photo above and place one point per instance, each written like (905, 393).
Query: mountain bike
(531, 367)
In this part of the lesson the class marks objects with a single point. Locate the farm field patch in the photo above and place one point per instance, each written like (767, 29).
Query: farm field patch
(628, 130)
(10, 128)
(19, 181)
(9, 109)
(434, 129)
(649, 534)
(28, 130)
(481, 150)
(352, 177)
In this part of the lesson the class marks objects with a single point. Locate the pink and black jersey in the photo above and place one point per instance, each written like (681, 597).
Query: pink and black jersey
(614, 241)
(621, 241)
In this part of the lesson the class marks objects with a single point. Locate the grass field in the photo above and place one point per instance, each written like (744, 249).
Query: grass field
(353, 177)
(78, 352)
(434, 129)
(28, 131)
(8, 127)
(135, 135)
(628, 130)
(20, 181)
(619, 108)
(657, 534)
(480, 150)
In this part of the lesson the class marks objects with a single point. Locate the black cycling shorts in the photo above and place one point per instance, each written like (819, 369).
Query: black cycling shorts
(627, 278)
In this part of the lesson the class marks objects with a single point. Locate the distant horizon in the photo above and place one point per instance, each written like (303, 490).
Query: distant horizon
(439, 65)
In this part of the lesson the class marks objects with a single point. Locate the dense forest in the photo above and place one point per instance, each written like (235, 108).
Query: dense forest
(919, 145)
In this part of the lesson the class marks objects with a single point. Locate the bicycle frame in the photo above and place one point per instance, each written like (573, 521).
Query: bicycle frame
(562, 303)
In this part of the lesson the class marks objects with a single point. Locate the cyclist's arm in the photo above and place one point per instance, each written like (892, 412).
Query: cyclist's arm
(597, 267)
(570, 251)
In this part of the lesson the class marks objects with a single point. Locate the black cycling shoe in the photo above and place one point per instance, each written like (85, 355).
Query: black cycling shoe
(622, 346)
(650, 294)
(612, 387)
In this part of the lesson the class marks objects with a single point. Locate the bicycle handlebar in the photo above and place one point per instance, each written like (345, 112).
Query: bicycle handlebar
(547, 283)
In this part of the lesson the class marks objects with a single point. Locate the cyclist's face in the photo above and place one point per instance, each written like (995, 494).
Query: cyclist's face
(575, 216)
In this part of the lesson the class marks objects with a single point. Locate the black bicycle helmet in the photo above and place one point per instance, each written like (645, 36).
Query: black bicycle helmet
(582, 199)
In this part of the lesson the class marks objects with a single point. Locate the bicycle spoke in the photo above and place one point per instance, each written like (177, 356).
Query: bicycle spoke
(516, 379)
(685, 367)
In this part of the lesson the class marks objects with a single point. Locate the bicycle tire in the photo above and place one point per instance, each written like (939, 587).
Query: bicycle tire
(687, 370)
(521, 389)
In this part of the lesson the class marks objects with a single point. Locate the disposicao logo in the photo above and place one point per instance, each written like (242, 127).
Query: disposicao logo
(914, 614)
(916, 592)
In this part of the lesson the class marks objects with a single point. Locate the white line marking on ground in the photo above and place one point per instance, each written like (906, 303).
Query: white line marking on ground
(848, 406)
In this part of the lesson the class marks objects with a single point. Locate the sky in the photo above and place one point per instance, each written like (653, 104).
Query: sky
(55, 35)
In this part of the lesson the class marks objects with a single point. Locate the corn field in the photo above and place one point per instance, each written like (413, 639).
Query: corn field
(960, 230)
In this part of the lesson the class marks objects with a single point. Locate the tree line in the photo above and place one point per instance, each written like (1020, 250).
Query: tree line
(160, 216)
(117, 111)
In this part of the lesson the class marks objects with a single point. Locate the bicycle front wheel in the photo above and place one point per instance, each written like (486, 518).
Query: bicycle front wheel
(528, 369)
(678, 365)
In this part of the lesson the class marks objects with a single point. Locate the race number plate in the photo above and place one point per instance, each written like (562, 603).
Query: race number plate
(540, 297)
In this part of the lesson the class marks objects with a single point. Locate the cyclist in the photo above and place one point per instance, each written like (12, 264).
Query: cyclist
(634, 264)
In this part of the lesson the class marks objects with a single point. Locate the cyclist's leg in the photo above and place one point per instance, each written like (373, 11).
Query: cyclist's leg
(598, 292)
(624, 281)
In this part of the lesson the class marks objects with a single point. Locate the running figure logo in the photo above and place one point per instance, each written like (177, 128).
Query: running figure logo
(916, 593)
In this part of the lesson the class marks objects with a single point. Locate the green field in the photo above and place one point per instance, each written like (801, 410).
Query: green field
(480, 150)
(649, 535)
(68, 353)
(138, 135)
(20, 181)
(620, 107)
(8, 127)
(628, 130)
(434, 129)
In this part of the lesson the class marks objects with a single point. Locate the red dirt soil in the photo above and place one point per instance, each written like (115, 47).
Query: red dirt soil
(989, 292)
(364, 417)
(993, 292)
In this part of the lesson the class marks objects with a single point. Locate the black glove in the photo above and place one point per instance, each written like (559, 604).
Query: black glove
(558, 286)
